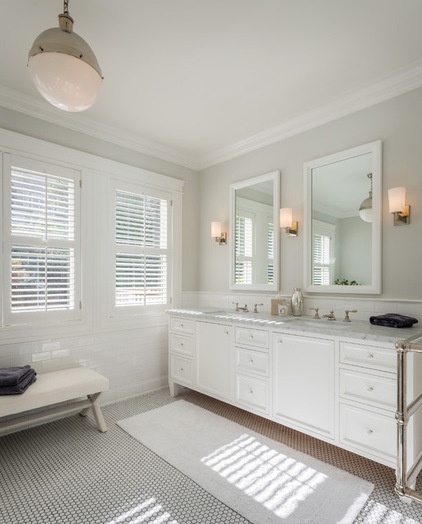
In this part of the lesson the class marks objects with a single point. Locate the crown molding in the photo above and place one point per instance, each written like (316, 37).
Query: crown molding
(28, 105)
(403, 81)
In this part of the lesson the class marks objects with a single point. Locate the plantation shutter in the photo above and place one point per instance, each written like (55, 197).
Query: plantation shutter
(141, 258)
(323, 253)
(244, 249)
(42, 243)
(270, 253)
(321, 260)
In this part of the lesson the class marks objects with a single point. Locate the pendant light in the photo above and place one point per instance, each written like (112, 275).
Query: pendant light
(64, 68)
(365, 209)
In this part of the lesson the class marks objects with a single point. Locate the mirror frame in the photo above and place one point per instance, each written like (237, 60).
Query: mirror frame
(273, 176)
(375, 148)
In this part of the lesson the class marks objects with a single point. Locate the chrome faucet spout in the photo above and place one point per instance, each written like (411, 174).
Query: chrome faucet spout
(330, 316)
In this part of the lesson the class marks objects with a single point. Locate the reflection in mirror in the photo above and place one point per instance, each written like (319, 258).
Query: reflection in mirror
(343, 222)
(254, 233)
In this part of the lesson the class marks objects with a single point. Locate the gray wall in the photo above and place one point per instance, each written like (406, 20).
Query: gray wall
(398, 123)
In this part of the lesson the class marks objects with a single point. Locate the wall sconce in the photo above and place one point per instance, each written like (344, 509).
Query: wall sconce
(217, 234)
(287, 223)
(398, 206)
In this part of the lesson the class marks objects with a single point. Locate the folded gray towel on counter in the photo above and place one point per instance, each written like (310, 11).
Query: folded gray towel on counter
(11, 376)
(393, 320)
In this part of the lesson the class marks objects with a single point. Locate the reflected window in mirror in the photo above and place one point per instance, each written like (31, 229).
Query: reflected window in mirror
(343, 221)
(323, 252)
(254, 211)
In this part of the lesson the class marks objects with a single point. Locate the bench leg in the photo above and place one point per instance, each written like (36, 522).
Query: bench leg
(96, 410)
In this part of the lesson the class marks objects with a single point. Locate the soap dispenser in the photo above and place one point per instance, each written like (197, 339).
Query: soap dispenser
(297, 302)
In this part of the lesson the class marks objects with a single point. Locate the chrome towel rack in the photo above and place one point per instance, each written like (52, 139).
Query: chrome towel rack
(406, 478)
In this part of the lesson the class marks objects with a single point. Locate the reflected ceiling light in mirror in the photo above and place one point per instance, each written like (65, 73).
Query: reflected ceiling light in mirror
(287, 222)
(218, 235)
(398, 207)
(64, 68)
(365, 209)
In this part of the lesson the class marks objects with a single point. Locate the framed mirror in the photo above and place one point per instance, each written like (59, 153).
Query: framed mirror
(342, 250)
(254, 233)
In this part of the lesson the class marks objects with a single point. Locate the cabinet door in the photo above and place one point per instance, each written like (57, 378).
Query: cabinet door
(213, 359)
(303, 394)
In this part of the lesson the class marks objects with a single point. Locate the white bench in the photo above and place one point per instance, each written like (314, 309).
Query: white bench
(54, 394)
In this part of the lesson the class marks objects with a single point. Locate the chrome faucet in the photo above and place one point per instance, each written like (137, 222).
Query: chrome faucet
(330, 315)
(346, 314)
(238, 308)
(255, 307)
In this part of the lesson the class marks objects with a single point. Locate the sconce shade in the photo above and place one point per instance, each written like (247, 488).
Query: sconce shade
(397, 199)
(215, 229)
(64, 68)
(286, 217)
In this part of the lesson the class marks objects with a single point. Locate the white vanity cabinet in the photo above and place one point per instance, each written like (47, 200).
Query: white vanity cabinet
(181, 353)
(252, 369)
(304, 383)
(214, 370)
(339, 388)
(367, 400)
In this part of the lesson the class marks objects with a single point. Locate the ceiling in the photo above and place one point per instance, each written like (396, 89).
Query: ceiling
(199, 81)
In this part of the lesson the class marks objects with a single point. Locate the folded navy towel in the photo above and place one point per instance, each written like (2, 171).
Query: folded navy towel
(393, 320)
(21, 386)
(11, 376)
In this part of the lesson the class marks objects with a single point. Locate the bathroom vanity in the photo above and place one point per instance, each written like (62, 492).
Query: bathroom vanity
(335, 381)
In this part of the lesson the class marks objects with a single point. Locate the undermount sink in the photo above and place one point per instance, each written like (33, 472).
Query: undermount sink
(326, 324)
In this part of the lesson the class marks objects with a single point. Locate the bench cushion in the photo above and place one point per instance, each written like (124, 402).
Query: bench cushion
(54, 387)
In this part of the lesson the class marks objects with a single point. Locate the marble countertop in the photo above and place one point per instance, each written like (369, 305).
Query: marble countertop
(352, 330)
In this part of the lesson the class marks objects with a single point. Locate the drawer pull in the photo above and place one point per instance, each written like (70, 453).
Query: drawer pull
(181, 369)
(370, 388)
(251, 361)
(181, 344)
(370, 355)
(251, 337)
(251, 392)
(370, 431)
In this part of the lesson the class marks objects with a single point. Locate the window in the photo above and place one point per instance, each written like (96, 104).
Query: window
(141, 254)
(244, 248)
(323, 245)
(41, 241)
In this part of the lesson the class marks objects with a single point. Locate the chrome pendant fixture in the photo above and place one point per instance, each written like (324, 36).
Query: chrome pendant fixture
(365, 209)
(64, 68)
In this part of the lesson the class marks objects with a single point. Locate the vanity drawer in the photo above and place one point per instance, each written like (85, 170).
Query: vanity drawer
(371, 357)
(252, 337)
(252, 361)
(253, 393)
(183, 345)
(368, 431)
(181, 369)
(364, 387)
(182, 325)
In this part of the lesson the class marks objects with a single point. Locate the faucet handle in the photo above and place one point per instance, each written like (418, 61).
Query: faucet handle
(316, 309)
(237, 305)
(346, 314)
(255, 307)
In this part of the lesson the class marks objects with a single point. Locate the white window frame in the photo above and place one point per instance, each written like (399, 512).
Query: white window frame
(44, 168)
(328, 230)
(120, 312)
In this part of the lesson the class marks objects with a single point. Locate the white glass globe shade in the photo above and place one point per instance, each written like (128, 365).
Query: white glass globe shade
(365, 210)
(64, 68)
(66, 82)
